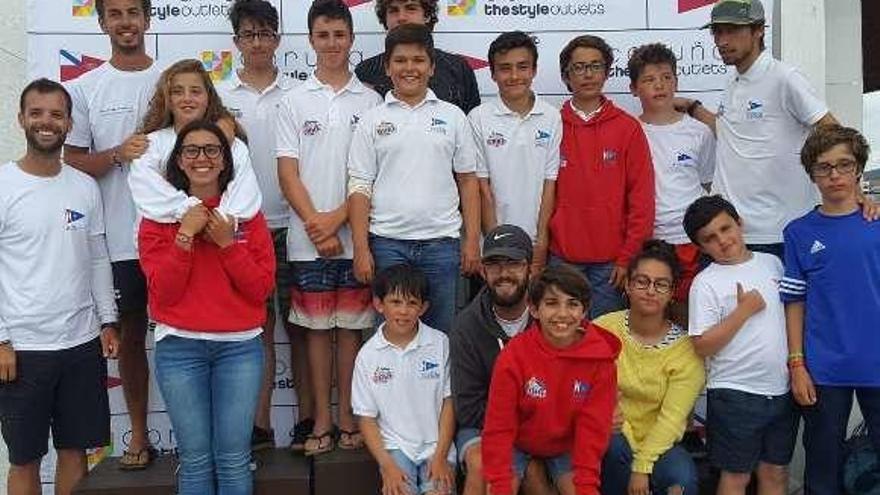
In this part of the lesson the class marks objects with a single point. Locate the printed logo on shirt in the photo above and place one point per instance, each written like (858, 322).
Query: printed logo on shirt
(354, 121)
(755, 110)
(385, 128)
(683, 159)
(311, 128)
(535, 388)
(72, 220)
(115, 108)
(439, 126)
(580, 390)
(382, 375)
(496, 140)
(429, 369)
(816, 247)
(609, 157)
(720, 110)
(236, 112)
(563, 161)
(542, 138)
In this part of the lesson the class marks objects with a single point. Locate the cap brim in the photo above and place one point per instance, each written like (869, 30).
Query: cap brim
(506, 252)
(736, 22)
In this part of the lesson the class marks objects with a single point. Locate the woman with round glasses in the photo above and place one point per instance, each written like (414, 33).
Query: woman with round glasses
(208, 281)
(659, 377)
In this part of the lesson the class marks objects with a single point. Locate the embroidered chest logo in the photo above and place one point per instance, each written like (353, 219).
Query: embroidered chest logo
(236, 112)
(816, 247)
(429, 369)
(609, 157)
(439, 126)
(535, 388)
(382, 375)
(385, 128)
(754, 110)
(542, 138)
(580, 390)
(683, 159)
(496, 140)
(72, 220)
(354, 121)
(311, 128)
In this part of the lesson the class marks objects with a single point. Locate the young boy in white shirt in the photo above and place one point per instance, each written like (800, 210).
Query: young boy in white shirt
(737, 322)
(517, 138)
(402, 391)
(683, 153)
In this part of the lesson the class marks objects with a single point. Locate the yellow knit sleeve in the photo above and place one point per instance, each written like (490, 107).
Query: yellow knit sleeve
(686, 376)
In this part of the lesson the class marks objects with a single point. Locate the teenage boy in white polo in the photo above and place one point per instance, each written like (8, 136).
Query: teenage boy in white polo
(517, 140)
(57, 315)
(410, 162)
(315, 125)
(109, 104)
(764, 116)
(252, 95)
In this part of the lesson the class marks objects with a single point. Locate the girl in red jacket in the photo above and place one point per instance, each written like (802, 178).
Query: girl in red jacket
(553, 392)
(208, 280)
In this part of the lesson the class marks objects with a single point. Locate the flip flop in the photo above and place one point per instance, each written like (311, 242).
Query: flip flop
(138, 461)
(322, 447)
(350, 440)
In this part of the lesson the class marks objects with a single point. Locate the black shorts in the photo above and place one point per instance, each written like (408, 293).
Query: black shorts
(130, 286)
(63, 390)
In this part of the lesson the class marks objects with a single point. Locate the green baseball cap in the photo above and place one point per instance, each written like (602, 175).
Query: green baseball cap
(741, 12)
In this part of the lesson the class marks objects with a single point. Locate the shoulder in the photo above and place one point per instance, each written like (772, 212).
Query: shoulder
(768, 263)
(612, 322)
(694, 126)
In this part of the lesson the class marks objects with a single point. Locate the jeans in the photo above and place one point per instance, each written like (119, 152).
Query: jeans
(674, 467)
(606, 298)
(438, 259)
(210, 390)
(825, 428)
(416, 473)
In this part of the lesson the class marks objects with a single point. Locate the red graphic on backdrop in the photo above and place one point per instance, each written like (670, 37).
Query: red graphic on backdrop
(355, 3)
(73, 66)
(474, 63)
(688, 5)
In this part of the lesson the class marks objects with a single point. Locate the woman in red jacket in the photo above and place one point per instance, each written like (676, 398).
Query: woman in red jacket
(208, 280)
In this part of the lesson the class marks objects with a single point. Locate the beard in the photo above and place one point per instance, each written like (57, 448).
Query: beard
(508, 300)
(49, 149)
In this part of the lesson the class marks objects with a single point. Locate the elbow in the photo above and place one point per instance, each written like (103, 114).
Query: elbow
(701, 348)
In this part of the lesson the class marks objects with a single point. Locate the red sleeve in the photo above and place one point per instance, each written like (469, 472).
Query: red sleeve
(166, 266)
(501, 424)
(593, 430)
(251, 265)
(639, 195)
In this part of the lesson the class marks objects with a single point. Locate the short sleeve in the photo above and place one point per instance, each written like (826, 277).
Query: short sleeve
(287, 137)
(481, 164)
(363, 403)
(801, 101)
(551, 166)
(447, 380)
(707, 154)
(96, 224)
(362, 158)
(704, 308)
(793, 286)
(464, 159)
(80, 134)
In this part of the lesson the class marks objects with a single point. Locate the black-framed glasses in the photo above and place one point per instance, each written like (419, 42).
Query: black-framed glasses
(661, 285)
(581, 68)
(498, 266)
(191, 151)
(843, 167)
(252, 36)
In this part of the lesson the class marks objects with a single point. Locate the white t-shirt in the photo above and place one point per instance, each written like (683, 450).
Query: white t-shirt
(684, 158)
(404, 390)
(109, 106)
(517, 154)
(314, 126)
(255, 111)
(754, 360)
(763, 119)
(410, 156)
(56, 287)
(159, 201)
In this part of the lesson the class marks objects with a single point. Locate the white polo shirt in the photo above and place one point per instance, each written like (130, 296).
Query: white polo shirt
(517, 154)
(315, 125)
(683, 154)
(763, 119)
(410, 155)
(255, 111)
(109, 106)
(404, 390)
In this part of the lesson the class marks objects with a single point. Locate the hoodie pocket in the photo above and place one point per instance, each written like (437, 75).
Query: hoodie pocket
(586, 234)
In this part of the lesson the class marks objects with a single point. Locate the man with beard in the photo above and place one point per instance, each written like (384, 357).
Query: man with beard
(57, 314)
(498, 313)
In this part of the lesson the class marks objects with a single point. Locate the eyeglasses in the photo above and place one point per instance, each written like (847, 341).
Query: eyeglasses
(581, 68)
(661, 285)
(843, 167)
(252, 36)
(191, 151)
(497, 266)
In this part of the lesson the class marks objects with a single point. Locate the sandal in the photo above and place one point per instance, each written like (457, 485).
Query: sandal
(350, 440)
(323, 447)
(299, 434)
(138, 461)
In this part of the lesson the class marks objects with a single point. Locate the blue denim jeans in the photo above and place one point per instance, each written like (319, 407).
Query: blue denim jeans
(825, 429)
(439, 259)
(606, 298)
(416, 473)
(210, 390)
(674, 468)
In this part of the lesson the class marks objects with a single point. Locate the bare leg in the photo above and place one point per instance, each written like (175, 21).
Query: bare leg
(300, 365)
(135, 375)
(536, 481)
(320, 359)
(263, 418)
(772, 479)
(733, 483)
(24, 479)
(347, 344)
(474, 484)
(72, 465)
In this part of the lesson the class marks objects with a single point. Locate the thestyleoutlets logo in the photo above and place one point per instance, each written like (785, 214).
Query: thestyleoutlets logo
(218, 64)
(194, 9)
(73, 64)
(531, 9)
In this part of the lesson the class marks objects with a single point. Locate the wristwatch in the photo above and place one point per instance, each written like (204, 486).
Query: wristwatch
(693, 106)
(5, 343)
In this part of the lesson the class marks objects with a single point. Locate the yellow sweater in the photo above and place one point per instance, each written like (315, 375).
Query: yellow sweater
(659, 387)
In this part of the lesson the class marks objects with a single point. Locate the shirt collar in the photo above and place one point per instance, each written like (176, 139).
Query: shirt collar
(422, 339)
(429, 97)
(353, 85)
(500, 108)
(281, 82)
(758, 69)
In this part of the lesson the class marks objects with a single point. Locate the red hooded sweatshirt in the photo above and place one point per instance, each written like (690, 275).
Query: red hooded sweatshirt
(605, 189)
(547, 402)
(208, 289)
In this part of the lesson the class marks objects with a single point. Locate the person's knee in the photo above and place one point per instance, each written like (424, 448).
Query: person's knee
(736, 480)
(28, 469)
(773, 474)
(232, 465)
(473, 459)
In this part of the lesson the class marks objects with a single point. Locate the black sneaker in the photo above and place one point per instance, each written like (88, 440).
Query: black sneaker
(300, 433)
(262, 439)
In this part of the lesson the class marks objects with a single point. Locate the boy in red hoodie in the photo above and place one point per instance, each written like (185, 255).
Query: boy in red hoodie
(554, 387)
(605, 188)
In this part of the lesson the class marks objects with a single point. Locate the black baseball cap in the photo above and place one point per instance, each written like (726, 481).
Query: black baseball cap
(507, 241)
(739, 12)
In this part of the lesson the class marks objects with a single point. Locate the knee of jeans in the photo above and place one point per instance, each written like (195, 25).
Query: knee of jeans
(618, 449)
(196, 464)
(232, 463)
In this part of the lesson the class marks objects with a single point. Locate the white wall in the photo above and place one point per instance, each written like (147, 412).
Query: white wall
(12, 77)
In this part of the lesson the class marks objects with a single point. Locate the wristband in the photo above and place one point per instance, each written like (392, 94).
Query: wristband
(183, 238)
(798, 363)
(794, 356)
(114, 158)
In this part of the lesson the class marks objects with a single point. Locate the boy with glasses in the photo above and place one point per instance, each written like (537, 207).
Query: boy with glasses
(831, 291)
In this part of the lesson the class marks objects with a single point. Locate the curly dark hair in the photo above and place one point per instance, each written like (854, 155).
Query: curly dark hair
(657, 250)
(584, 41)
(508, 41)
(177, 177)
(260, 12)
(429, 6)
(650, 54)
